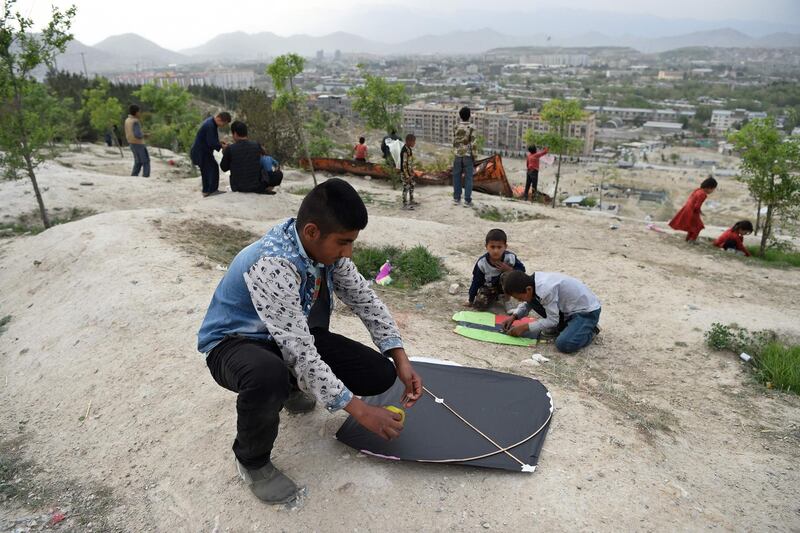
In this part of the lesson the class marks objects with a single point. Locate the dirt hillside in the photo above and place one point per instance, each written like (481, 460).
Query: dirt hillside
(109, 415)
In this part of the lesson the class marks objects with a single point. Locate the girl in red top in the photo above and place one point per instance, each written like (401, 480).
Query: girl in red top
(733, 238)
(532, 178)
(688, 218)
(360, 150)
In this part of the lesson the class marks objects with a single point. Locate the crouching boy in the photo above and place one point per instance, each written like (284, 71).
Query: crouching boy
(563, 303)
(266, 334)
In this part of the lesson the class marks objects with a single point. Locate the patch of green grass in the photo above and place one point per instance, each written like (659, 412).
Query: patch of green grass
(411, 268)
(300, 191)
(31, 223)
(506, 215)
(778, 366)
(772, 255)
(218, 242)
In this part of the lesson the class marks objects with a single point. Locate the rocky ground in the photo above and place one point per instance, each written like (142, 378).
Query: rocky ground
(111, 422)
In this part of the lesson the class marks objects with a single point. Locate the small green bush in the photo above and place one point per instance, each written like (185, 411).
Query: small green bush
(589, 201)
(776, 365)
(411, 268)
(779, 366)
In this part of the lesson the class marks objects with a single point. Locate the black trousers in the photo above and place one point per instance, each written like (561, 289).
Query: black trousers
(256, 371)
(532, 180)
(209, 170)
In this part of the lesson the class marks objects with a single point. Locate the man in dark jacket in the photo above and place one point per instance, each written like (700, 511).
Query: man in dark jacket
(243, 160)
(205, 144)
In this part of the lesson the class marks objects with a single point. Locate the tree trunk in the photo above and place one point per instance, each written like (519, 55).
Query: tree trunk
(558, 178)
(32, 176)
(767, 230)
(299, 130)
(114, 140)
(758, 217)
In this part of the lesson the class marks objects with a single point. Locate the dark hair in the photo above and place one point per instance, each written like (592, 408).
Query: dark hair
(515, 282)
(393, 132)
(239, 128)
(709, 183)
(133, 109)
(334, 206)
(496, 235)
(224, 116)
(263, 149)
(361, 140)
(532, 149)
(744, 225)
(410, 137)
(464, 113)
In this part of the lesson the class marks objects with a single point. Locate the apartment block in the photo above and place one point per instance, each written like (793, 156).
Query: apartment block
(503, 130)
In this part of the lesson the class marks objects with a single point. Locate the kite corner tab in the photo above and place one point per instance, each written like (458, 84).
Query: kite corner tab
(439, 400)
(528, 468)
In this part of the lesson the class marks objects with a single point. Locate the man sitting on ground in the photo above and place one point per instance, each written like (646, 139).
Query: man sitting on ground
(243, 160)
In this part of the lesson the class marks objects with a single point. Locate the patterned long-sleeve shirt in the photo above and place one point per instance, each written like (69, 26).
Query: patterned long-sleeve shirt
(407, 163)
(273, 284)
(464, 140)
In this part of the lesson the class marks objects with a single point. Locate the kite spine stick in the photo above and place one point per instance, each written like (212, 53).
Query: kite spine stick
(481, 433)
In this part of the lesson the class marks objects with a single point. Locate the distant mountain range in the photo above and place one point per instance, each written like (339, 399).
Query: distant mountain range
(130, 51)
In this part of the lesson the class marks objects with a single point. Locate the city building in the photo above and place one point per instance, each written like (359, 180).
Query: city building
(224, 78)
(670, 75)
(631, 114)
(724, 120)
(333, 103)
(503, 130)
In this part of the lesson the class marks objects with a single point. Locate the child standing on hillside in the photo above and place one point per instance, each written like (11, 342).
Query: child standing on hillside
(407, 172)
(732, 239)
(360, 150)
(464, 162)
(688, 218)
(532, 179)
(485, 289)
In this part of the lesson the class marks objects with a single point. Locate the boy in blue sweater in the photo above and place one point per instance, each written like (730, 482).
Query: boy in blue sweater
(485, 289)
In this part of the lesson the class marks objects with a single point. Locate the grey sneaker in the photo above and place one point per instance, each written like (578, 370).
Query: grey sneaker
(468, 204)
(456, 202)
(268, 483)
(408, 207)
(299, 402)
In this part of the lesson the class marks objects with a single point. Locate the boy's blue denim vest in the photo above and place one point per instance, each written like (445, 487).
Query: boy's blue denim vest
(231, 311)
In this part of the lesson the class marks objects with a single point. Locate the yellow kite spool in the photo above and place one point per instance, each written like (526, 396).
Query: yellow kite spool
(397, 410)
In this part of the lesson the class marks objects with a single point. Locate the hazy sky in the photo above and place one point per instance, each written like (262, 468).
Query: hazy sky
(180, 24)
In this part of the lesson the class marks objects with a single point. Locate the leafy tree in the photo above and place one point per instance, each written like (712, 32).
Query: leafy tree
(703, 114)
(104, 111)
(379, 102)
(559, 116)
(320, 145)
(770, 168)
(172, 115)
(283, 71)
(273, 128)
(23, 130)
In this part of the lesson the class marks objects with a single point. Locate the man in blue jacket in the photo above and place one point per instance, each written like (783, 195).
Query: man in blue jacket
(206, 142)
(266, 335)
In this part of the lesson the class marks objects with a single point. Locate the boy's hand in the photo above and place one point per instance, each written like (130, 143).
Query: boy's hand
(517, 331)
(502, 266)
(409, 377)
(378, 420)
(508, 322)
